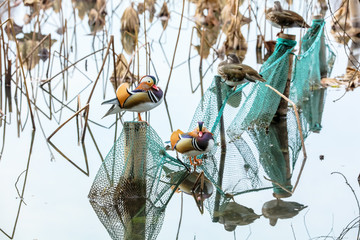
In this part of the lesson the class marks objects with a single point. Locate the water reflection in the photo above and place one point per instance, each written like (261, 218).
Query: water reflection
(134, 185)
(130, 24)
(192, 183)
(21, 193)
(130, 191)
(279, 209)
(232, 214)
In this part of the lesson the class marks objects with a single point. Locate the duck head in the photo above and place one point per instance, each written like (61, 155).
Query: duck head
(148, 82)
(201, 131)
(200, 128)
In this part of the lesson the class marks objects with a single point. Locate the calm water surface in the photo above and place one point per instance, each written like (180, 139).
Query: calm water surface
(56, 204)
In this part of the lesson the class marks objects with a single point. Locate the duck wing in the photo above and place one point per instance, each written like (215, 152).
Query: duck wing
(185, 144)
(251, 74)
(123, 93)
(291, 19)
(175, 137)
(231, 71)
(136, 97)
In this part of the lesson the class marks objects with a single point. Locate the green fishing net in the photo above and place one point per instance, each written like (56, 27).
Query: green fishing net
(314, 62)
(279, 146)
(313, 109)
(248, 151)
(132, 188)
(230, 173)
(261, 104)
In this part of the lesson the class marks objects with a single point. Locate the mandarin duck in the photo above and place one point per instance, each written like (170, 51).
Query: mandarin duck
(144, 97)
(282, 18)
(194, 143)
(235, 73)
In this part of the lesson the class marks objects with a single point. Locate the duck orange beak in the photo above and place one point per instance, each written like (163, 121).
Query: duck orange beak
(200, 134)
(155, 87)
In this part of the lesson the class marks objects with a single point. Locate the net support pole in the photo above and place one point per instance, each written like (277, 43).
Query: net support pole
(222, 145)
(322, 53)
(135, 179)
(283, 105)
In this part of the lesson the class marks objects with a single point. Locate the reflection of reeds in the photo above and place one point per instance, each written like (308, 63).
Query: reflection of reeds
(22, 69)
(21, 196)
(130, 25)
(176, 44)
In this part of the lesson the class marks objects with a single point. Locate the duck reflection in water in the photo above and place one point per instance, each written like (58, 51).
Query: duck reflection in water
(194, 183)
(232, 214)
(277, 208)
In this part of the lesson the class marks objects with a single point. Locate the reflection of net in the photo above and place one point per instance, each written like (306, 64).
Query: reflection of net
(311, 63)
(237, 174)
(260, 106)
(313, 109)
(131, 190)
(254, 146)
(279, 147)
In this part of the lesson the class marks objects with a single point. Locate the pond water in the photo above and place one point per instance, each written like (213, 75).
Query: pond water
(54, 179)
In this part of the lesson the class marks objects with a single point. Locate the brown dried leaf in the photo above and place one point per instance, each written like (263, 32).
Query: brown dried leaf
(270, 46)
(83, 7)
(235, 41)
(130, 21)
(228, 12)
(128, 42)
(207, 13)
(130, 24)
(331, 82)
(26, 46)
(164, 15)
(96, 21)
(121, 69)
(141, 8)
(17, 30)
(210, 36)
(31, 3)
(340, 23)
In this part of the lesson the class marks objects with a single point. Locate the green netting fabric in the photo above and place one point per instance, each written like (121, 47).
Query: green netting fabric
(219, 100)
(306, 74)
(315, 61)
(313, 109)
(131, 189)
(261, 104)
(231, 173)
(278, 148)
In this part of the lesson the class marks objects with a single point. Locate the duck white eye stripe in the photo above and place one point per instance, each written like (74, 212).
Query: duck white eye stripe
(195, 145)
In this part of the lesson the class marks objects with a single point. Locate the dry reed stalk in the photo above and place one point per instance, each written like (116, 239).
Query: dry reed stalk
(22, 70)
(121, 68)
(85, 108)
(97, 78)
(114, 59)
(81, 59)
(177, 40)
